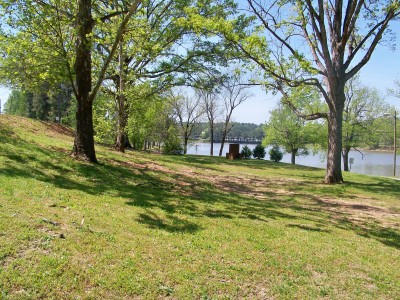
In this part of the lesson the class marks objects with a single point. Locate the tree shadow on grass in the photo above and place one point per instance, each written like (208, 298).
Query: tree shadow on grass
(380, 185)
(308, 228)
(175, 203)
(172, 223)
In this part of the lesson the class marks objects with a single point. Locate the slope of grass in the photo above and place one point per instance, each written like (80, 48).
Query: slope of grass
(145, 226)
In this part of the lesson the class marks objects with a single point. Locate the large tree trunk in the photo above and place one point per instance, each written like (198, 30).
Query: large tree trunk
(345, 154)
(127, 142)
(293, 156)
(84, 141)
(185, 142)
(335, 118)
(224, 134)
(212, 139)
(120, 144)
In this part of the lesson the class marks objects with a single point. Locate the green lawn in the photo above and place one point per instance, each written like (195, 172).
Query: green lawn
(146, 226)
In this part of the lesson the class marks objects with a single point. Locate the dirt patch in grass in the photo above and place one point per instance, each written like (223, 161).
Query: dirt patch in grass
(359, 212)
(262, 189)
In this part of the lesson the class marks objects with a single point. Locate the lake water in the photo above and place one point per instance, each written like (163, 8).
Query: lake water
(372, 163)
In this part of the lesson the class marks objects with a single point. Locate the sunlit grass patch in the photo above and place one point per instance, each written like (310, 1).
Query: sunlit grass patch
(145, 226)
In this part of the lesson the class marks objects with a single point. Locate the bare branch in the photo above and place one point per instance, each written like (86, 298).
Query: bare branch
(378, 36)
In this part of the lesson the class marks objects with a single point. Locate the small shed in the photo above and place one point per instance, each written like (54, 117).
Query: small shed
(233, 152)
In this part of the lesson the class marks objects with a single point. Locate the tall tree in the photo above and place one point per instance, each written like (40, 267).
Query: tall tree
(187, 110)
(16, 104)
(340, 37)
(362, 108)
(84, 93)
(233, 92)
(211, 107)
(151, 112)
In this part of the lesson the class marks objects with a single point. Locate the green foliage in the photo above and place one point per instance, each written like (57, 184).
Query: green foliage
(43, 104)
(246, 152)
(69, 117)
(259, 151)
(363, 125)
(104, 119)
(38, 43)
(172, 144)
(148, 115)
(35, 44)
(291, 132)
(275, 153)
(16, 104)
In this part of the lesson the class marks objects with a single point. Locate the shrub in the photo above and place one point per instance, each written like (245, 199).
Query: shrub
(259, 151)
(275, 154)
(246, 152)
(172, 144)
(172, 148)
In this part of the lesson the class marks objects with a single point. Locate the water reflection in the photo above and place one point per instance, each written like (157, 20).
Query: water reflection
(371, 163)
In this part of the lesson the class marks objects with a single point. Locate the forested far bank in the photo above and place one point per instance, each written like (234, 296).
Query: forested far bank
(240, 132)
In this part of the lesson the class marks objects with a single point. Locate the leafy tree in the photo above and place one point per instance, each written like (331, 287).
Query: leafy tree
(16, 104)
(84, 93)
(150, 119)
(60, 49)
(341, 38)
(259, 151)
(246, 152)
(290, 131)
(104, 119)
(275, 154)
(362, 107)
(172, 144)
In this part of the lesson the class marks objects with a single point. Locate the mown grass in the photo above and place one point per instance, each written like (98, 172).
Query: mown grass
(145, 226)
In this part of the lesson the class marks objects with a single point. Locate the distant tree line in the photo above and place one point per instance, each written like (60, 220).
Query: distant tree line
(44, 104)
(250, 132)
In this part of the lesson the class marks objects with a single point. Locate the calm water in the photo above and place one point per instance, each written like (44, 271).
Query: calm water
(373, 163)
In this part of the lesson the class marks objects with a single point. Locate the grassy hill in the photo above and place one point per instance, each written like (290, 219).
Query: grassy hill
(145, 226)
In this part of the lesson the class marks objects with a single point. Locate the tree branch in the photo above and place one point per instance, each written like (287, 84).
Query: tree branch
(133, 8)
(378, 36)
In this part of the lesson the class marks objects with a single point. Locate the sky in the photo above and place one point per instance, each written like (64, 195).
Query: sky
(380, 72)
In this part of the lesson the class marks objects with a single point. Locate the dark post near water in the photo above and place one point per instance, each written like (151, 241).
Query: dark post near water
(233, 151)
